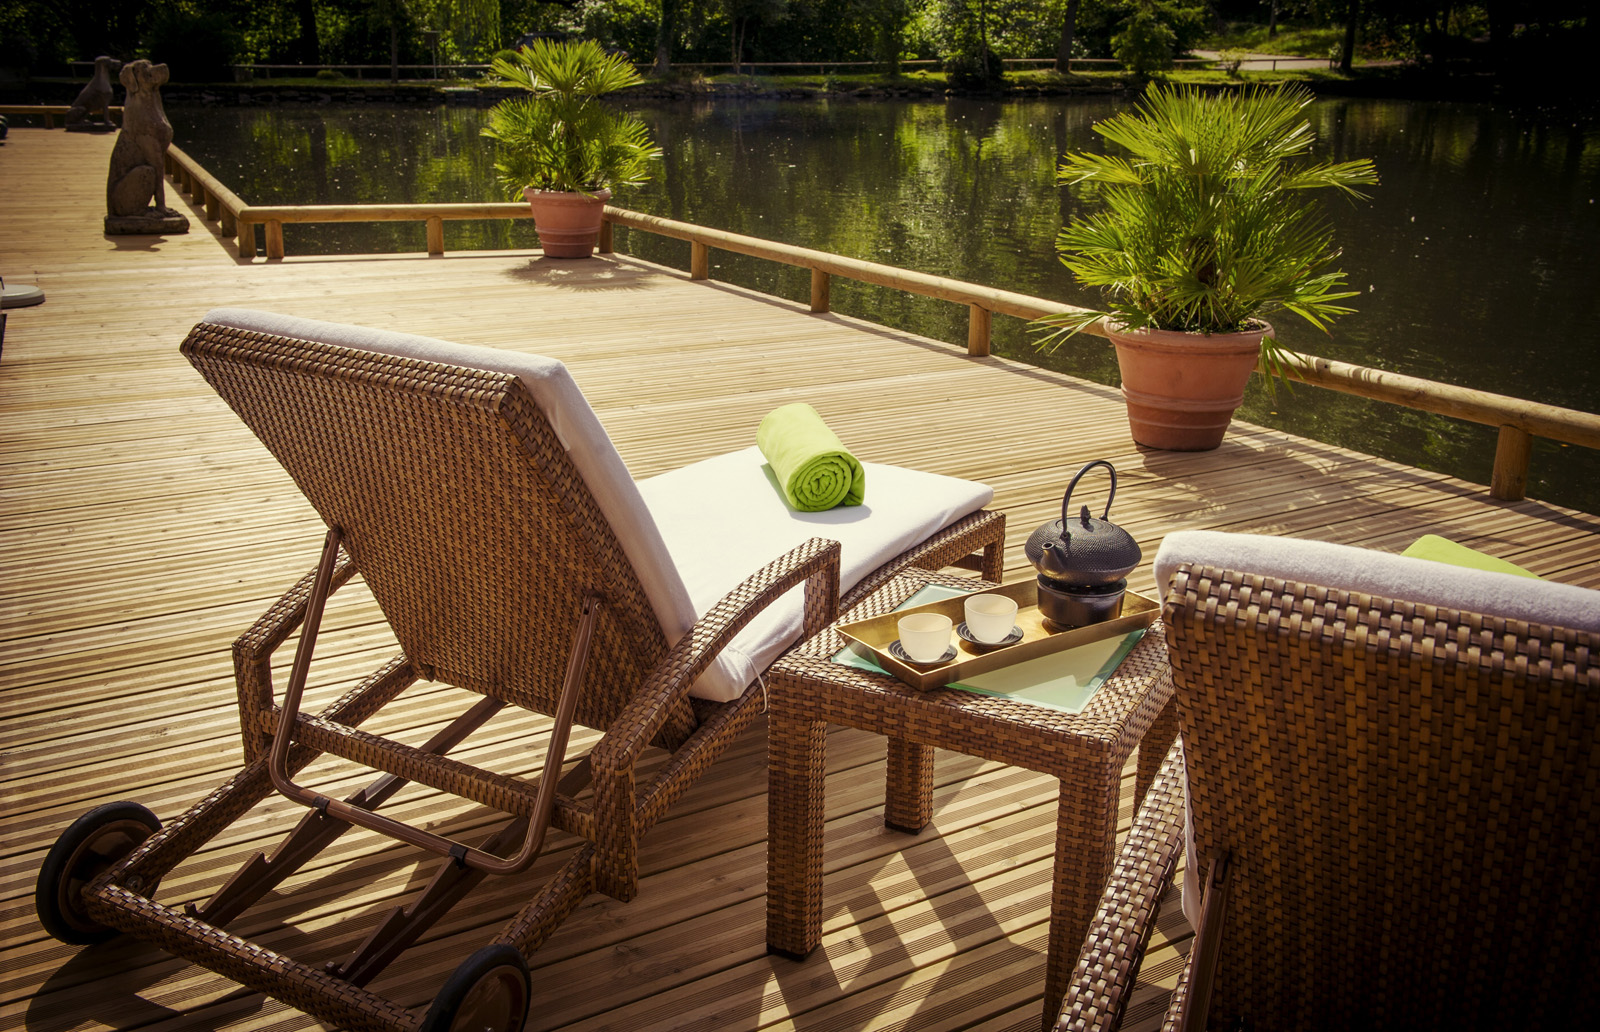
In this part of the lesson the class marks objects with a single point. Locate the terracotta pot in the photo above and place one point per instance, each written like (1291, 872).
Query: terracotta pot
(568, 223)
(1182, 388)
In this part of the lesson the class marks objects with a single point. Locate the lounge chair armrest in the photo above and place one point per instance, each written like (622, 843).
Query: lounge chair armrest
(617, 810)
(1120, 930)
(252, 652)
(816, 563)
(276, 624)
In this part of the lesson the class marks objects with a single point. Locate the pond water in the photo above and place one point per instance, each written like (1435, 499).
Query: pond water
(1477, 258)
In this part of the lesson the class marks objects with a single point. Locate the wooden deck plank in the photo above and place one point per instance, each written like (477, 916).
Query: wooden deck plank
(142, 528)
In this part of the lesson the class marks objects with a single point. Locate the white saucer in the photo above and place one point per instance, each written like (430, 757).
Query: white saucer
(971, 639)
(899, 652)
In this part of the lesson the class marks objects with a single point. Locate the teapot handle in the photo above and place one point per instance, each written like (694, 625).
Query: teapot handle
(1066, 500)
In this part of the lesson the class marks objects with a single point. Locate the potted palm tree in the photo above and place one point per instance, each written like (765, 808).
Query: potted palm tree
(1207, 228)
(563, 148)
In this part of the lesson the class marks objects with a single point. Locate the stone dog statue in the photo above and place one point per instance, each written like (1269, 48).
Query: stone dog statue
(95, 97)
(138, 160)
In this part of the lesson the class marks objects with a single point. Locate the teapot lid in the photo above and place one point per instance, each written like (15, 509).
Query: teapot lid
(1081, 549)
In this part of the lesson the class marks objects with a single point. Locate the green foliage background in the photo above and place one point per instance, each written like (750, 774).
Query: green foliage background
(200, 39)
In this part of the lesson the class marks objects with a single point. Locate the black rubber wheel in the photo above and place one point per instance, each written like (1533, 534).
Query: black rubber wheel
(489, 992)
(90, 845)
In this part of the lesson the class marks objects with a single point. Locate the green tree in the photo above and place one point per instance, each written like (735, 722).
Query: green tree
(886, 20)
(961, 31)
(740, 13)
(1145, 42)
(392, 14)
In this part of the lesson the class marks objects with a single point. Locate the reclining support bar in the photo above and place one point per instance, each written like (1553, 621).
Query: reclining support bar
(477, 859)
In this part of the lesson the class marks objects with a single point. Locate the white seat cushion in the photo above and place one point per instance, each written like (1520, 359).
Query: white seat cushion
(696, 533)
(725, 518)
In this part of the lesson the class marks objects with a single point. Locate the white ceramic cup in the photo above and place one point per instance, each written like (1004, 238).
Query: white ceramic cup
(925, 636)
(990, 618)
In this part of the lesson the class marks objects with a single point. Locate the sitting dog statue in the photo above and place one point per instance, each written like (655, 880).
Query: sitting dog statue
(138, 160)
(95, 97)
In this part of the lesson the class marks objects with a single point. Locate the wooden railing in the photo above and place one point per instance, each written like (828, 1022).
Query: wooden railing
(1519, 421)
(48, 112)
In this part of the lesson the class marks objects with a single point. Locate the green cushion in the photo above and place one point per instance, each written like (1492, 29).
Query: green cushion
(1443, 550)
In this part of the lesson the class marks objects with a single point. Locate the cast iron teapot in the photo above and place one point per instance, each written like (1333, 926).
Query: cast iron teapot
(1083, 551)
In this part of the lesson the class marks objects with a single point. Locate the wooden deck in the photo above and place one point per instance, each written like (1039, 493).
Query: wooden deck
(142, 528)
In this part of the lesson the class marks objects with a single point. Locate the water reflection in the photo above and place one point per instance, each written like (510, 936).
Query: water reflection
(1476, 257)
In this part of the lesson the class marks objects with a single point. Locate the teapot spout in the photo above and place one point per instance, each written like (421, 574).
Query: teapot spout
(1053, 562)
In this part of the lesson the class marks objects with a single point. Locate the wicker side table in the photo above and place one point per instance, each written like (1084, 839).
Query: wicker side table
(1086, 751)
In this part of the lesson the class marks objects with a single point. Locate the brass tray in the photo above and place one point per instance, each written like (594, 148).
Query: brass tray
(870, 638)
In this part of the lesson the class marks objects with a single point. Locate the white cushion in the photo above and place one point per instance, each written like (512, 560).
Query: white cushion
(1382, 574)
(570, 416)
(696, 533)
(724, 518)
(1385, 575)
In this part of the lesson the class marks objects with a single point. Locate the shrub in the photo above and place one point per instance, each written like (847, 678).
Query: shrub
(1145, 44)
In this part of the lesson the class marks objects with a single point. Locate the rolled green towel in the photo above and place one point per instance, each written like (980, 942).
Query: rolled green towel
(812, 465)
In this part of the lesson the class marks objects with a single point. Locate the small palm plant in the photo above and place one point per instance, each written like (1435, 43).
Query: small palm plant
(1208, 225)
(560, 137)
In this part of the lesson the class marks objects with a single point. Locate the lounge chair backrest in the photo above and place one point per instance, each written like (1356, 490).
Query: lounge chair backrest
(1407, 792)
(479, 497)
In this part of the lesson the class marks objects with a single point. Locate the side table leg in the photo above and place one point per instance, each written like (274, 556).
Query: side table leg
(796, 766)
(1153, 748)
(1086, 844)
(908, 786)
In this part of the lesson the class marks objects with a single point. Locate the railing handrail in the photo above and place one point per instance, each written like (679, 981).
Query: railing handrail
(1006, 302)
(1536, 418)
(1519, 421)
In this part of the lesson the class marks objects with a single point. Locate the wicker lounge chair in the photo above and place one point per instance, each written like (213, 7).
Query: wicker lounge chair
(513, 557)
(1394, 819)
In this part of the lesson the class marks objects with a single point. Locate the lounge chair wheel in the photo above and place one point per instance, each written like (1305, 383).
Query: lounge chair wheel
(489, 992)
(90, 845)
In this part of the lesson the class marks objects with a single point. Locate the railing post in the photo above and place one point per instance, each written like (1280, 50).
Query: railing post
(228, 225)
(821, 283)
(699, 260)
(435, 235)
(213, 205)
(1512, 453)
(247, 238)
(274, 238)
(978, 324)
(604, 247)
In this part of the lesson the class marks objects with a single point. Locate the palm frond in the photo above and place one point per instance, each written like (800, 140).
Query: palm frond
(1206, 224)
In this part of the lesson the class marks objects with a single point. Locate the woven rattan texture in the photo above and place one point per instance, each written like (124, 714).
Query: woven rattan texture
(1086, 750)
(1022, 733)
(475, 533)
(480, 542)
(1407, 795)
(1109, 964)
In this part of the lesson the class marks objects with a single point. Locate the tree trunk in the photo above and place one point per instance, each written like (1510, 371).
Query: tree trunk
(307, 48)
(1069, 26)
(666, 31)
(1272, 21)
(1348, 55)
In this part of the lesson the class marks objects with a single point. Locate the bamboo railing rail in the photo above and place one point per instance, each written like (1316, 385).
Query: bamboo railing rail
(1518, 421)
